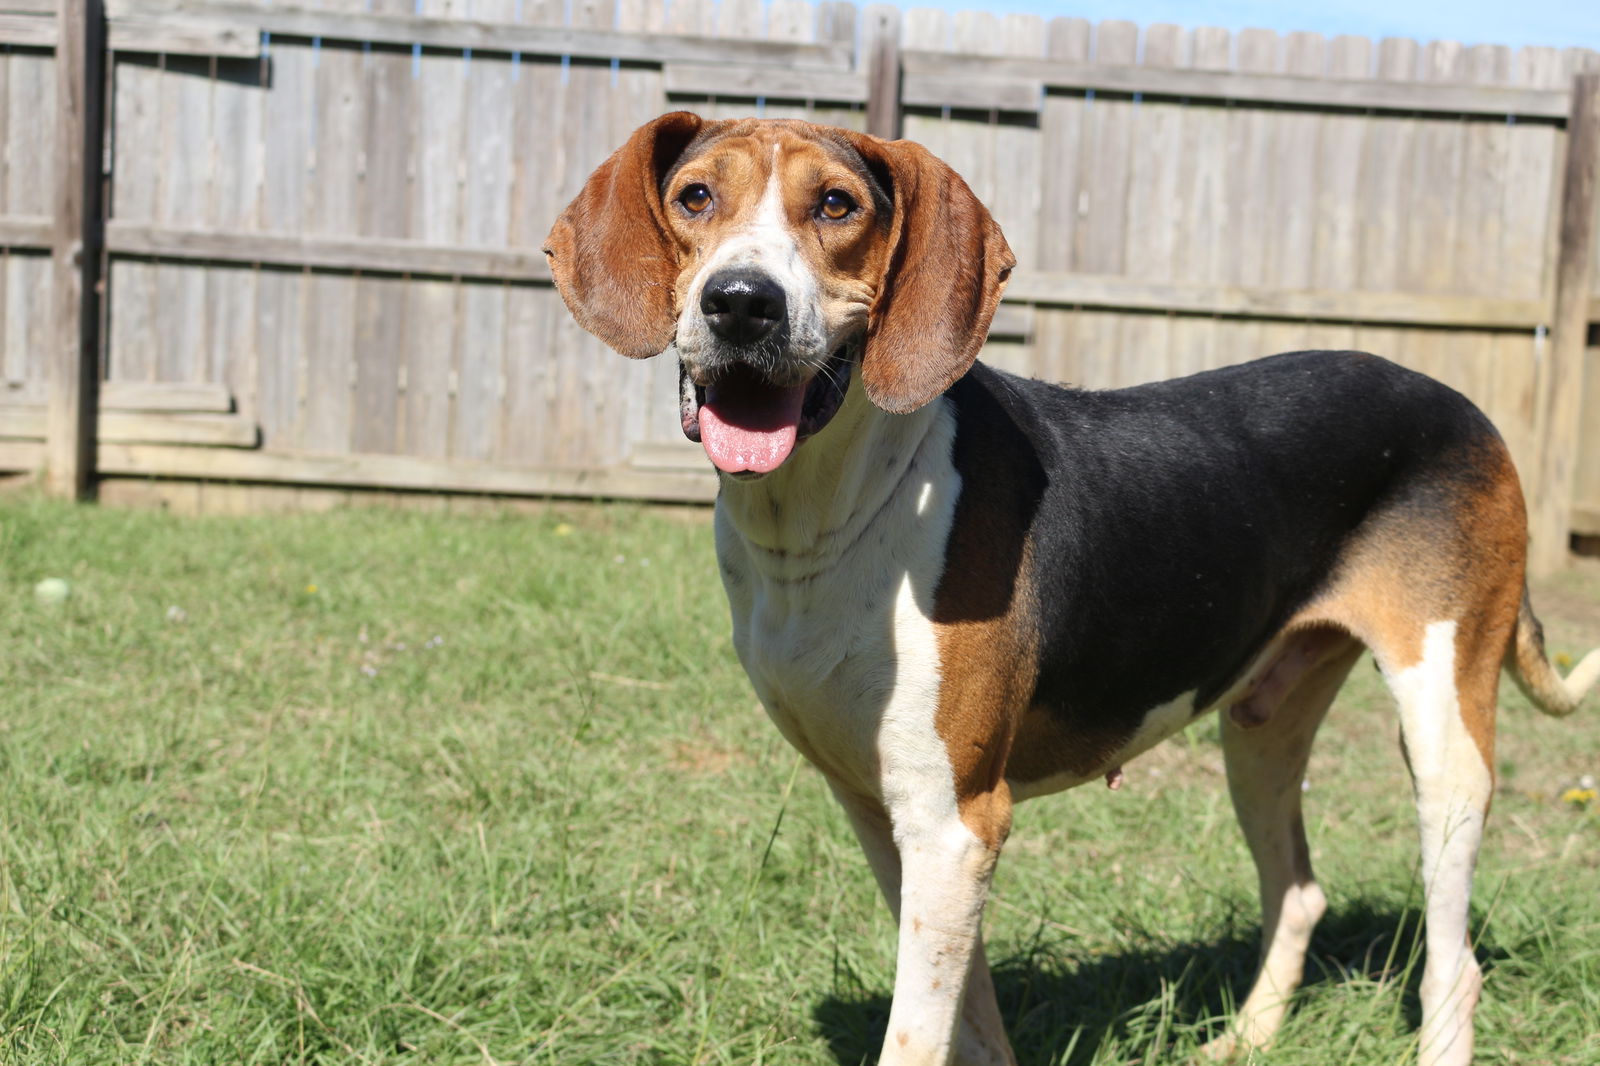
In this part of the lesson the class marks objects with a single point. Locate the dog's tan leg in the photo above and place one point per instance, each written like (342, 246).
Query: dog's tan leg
(930, 1004)
(1266, 765)
(1446, 726)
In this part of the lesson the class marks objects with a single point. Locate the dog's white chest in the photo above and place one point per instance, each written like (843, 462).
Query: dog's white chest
(840, 646)
(819, 664)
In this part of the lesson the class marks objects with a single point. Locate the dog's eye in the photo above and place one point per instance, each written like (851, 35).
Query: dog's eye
(835, 204)
(696, 198)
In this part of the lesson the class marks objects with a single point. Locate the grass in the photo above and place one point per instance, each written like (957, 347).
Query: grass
(386, 787)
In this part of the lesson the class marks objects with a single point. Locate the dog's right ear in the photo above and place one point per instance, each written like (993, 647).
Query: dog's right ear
(611, 253)
(947, 265)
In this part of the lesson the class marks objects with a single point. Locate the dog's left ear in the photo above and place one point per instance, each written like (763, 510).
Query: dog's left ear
(947, 264)
(611, 253)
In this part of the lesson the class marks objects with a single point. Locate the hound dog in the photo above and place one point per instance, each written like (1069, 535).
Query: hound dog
(954, 589)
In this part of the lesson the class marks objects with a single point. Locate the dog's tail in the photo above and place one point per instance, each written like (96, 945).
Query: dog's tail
(1525, 658)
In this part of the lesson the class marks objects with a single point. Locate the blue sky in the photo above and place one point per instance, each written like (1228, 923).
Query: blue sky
(1560, 23)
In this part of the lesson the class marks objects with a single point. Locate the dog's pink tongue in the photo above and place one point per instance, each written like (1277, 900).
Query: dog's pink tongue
(750, 425)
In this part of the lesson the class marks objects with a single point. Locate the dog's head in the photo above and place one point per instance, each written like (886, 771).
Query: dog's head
(777, 256)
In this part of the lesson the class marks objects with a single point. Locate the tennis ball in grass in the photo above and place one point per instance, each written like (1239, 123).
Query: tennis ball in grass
(52, 591)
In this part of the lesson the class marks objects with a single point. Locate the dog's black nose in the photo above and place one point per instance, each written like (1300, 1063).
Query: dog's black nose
(742, 306)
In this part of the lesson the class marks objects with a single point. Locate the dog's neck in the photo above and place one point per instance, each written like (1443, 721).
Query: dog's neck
(815, 506)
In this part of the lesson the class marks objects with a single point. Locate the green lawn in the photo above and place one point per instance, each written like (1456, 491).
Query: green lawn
(380, 786)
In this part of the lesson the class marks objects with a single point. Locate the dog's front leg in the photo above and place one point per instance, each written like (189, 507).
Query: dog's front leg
(935, 879)
(945, 873)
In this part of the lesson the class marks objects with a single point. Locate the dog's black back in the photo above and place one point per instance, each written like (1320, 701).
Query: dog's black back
(1176, 526)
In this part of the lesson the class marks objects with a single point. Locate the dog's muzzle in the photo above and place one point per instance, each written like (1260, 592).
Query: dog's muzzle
(750, 425)
(756, 385)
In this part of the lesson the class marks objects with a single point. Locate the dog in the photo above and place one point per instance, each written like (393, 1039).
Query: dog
(954, 589)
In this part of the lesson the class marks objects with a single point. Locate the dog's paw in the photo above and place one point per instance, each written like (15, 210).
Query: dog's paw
(1229, 1048)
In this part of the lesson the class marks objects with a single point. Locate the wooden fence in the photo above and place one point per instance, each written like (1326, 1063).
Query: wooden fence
(248, 245)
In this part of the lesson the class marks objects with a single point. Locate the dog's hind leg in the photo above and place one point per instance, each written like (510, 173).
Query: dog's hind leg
(980, 1039)
(1447, 707)
(1266, 753)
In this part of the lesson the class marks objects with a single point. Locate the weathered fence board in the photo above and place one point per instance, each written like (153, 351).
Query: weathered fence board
(26, 291)
(343, 234)
(1561, 388)
(1586, 492)
(73, 359)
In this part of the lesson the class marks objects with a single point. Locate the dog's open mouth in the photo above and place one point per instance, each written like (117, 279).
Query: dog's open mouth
(747, 424)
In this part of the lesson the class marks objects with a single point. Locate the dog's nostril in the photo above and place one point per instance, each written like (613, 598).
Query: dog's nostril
(742, 306)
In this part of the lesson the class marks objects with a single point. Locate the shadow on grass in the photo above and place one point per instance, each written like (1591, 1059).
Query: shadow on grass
(1060, 1007)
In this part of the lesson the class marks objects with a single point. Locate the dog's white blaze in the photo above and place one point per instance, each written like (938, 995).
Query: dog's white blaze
(767, 243)
(1453, 785)
(910, 751)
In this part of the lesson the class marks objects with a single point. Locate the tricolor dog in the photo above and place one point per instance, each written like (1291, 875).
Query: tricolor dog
(954, 589)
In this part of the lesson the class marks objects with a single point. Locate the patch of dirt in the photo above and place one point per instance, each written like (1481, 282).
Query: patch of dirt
(704, 757)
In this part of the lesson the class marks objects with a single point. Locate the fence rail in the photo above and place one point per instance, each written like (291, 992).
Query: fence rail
(330, 215)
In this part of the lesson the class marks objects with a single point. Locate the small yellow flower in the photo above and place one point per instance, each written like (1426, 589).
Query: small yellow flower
(563, 530)
(1580, 797)
(311, 590)
(1563, 660)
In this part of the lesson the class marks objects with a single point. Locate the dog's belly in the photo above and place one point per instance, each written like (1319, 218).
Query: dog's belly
(1049, 758)
(1036, 736)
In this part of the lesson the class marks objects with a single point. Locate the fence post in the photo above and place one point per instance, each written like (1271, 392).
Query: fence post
(880, 48)
(76, 243)
(836, 23)
(1561, 382)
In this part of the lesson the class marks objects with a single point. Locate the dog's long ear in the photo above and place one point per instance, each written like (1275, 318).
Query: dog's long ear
(611, 253)
(947, 264)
